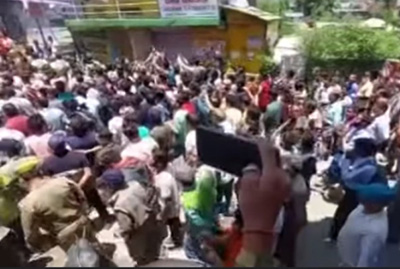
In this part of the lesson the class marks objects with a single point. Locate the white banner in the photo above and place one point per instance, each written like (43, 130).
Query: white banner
(188, 8)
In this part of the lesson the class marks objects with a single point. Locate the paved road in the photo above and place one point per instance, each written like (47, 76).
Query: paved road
(313, 252)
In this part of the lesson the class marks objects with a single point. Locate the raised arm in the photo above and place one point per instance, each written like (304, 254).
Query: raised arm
(183, 64)
(150, 57)
(278, 131)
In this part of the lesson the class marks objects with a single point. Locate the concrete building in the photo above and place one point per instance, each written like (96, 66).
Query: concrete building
(21, 18)
(12, 19)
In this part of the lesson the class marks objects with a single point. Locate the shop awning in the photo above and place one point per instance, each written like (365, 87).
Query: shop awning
(92, 24)
(254, 12)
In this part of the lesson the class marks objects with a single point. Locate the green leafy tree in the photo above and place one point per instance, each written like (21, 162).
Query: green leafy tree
(268, 65)
(348, 49)
(277, 7)
(351, 43)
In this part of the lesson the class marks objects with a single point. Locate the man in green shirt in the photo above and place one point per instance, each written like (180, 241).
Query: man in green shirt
(273, 114)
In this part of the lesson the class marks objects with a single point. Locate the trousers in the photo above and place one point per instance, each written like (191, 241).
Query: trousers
(348, 203)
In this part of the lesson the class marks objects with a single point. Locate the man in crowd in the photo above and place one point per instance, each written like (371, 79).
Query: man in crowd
(363, 237)
(56, 206)
(137, 211)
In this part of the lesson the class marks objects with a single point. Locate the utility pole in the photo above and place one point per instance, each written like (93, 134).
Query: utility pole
(118, 9)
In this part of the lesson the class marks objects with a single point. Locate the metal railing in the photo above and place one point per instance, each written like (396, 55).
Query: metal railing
(114, 9)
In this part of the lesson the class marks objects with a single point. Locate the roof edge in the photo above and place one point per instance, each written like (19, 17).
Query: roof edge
(90, 24)
(254, 12)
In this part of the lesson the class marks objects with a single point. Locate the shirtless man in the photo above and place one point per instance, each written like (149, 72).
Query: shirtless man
(261, 196)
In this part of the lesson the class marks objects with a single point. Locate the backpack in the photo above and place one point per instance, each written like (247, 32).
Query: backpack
(140, 174)
(183, 172)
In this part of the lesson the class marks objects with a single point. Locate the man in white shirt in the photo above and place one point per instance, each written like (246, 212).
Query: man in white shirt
(233, 114)
(334, 87)
(59, 65)
(362, 239)
(169, 194)
(23, 104)
(55, 118)
(137, 148)
(38, 63)
(115, 124)
(6, 133)
(379, 129)
(367, 87)
(314, 115)
(190, 140)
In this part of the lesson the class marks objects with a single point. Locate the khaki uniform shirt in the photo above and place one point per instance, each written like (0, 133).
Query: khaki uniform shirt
(52, 207)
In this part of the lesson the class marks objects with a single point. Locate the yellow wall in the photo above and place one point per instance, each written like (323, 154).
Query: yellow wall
(147, 8)
(209, 37)
(246, 40)
(242, 39)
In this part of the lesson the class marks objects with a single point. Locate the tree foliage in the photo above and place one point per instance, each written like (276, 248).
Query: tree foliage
(350, 43)
(277, 7)
(268, 65)
(315, 8)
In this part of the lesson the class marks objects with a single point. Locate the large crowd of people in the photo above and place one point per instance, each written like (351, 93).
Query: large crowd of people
(78, 137)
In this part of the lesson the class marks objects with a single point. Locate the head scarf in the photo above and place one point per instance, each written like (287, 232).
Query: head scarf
(26, 165)
(203, 197)
(143, 132)
(8, 204)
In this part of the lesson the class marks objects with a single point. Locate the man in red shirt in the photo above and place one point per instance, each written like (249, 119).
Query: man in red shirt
(234, 240)
(186, 103)
(15, 120)
(264, 92)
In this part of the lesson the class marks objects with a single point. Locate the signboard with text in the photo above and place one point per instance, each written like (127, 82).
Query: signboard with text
(188, 8)
(35, 9)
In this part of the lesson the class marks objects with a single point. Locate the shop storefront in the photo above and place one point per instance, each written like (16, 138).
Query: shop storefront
(189, 27)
